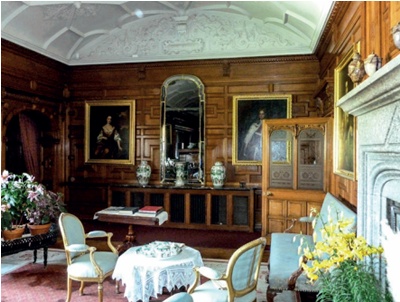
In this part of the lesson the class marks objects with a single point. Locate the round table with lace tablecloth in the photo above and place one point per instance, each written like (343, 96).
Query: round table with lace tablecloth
(145, 276)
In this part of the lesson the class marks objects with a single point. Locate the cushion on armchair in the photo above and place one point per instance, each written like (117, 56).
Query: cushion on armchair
(285, 260)
(180, 297)
(82, 266)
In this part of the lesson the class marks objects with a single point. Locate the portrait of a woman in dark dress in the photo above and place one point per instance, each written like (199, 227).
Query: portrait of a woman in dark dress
(108, 141)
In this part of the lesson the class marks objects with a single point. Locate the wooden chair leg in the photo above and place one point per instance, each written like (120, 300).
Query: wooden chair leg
(69, 289)
(100, 291)
(117, 287)
(81, 288)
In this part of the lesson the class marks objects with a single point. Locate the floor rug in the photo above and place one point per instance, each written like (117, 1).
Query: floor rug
(13, 262)
(23, 280)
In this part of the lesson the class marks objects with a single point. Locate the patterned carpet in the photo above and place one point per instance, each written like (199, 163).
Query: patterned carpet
(24, 281)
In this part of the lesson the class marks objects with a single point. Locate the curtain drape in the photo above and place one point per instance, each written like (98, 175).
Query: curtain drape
(30, 144)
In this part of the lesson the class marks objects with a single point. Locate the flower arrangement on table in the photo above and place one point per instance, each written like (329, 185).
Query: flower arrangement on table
(343, 264)
(24, 200)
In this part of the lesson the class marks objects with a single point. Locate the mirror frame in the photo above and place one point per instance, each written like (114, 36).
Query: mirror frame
(163, 127)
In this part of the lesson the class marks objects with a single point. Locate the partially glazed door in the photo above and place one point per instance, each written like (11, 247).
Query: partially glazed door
(296, 168)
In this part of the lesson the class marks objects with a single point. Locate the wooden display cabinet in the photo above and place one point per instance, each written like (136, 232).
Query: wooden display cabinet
(192, 207)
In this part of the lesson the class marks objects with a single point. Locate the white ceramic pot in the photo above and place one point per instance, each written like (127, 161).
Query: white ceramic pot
(218, 174)
(143, 173)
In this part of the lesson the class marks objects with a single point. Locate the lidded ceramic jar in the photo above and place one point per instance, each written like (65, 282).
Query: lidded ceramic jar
(143, 173)
(396, 35)
(356, 69)
(218, 174)
(372, 63)
(181, 174)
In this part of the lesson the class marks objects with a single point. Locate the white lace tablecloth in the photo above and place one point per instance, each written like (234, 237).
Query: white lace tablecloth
(145, 277)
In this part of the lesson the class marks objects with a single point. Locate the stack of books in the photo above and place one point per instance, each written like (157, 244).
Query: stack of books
(149, 211)
(128, 210)
(120, 210)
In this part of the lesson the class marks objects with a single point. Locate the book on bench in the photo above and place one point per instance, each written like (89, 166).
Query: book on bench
(128, 210)
(149, 211)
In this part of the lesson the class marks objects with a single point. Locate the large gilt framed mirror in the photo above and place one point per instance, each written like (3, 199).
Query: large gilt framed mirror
(182, 128)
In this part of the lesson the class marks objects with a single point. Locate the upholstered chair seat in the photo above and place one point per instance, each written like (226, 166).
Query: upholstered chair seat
(180, 297)
(83, 267)
(238, 283)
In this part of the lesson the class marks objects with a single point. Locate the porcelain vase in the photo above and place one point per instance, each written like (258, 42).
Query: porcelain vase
(181, 174)
(143, 173)
(372, 63)
(218, 174)
(396, 35)
(356, 69)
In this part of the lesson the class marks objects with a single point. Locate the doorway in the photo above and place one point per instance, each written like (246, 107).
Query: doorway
(37, 125)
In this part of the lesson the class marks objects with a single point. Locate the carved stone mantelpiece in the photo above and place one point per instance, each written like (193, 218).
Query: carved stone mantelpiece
(376, 104)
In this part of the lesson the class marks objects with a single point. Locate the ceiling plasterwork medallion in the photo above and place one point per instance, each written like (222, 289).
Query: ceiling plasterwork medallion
(199, 34)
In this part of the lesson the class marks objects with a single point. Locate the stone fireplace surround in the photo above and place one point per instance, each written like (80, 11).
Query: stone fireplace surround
(376, 104)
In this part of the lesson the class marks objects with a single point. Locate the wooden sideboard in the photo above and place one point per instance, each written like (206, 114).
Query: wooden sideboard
(189, 207)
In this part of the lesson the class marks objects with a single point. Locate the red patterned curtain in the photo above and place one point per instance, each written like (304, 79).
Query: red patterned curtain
(30, 144)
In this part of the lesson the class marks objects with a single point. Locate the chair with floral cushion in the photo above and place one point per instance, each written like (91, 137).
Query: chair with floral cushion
(85, 264)
(238, 283)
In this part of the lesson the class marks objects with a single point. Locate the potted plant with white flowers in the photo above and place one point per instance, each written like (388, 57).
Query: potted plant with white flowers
(14, 202)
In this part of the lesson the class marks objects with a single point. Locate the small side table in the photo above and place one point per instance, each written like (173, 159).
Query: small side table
(9, 247)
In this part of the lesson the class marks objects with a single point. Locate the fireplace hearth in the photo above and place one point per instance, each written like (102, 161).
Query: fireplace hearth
(376, 104)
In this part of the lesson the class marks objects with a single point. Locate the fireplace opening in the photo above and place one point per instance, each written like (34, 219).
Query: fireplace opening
(393, 214)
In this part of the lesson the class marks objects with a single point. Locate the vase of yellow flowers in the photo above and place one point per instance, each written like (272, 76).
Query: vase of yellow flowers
(342, 264)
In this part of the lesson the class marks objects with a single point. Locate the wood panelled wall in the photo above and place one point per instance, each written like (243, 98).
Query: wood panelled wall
(367, 22)
(222, 79)
(32, 82)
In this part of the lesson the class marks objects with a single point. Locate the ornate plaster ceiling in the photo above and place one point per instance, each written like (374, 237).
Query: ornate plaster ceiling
(104, 32)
